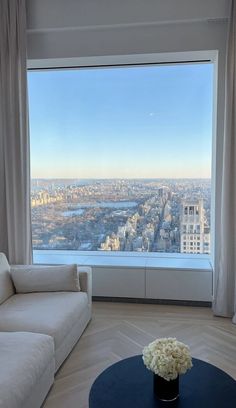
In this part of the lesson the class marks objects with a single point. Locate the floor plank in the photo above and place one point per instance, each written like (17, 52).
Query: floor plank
(120, 330)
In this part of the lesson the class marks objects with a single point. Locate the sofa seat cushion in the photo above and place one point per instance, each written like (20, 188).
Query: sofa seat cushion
(24, 358)
(52, 313)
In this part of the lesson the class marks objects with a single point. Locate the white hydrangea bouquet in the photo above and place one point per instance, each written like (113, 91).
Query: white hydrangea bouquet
(167, 357)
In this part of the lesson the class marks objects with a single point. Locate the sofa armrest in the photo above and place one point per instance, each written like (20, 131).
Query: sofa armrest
(85, 280)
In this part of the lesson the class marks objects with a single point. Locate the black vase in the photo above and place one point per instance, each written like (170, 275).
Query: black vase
(165, 390)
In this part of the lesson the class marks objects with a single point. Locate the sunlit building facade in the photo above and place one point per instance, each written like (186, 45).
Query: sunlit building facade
(195, 233)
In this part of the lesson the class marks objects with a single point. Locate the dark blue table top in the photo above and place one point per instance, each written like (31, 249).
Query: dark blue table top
(129, 384)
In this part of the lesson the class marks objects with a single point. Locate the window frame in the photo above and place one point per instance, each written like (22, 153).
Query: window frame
(203, 56)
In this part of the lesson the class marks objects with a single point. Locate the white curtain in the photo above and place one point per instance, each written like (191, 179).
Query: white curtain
(15, 222)
(225, 268)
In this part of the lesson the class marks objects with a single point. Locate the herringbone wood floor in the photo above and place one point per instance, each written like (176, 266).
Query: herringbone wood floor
(119, 330)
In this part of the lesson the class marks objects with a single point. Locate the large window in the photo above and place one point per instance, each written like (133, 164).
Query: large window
(121, 158)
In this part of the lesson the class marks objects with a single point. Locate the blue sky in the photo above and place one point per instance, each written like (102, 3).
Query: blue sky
(137, 122)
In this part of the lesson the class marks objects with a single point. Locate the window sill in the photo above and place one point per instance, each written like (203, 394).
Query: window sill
(201, 263)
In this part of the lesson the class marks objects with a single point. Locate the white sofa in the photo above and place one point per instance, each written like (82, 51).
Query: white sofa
(38, 328)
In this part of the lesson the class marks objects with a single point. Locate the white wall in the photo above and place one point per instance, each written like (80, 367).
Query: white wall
(64, 29)
(47, 14)
(79, 28)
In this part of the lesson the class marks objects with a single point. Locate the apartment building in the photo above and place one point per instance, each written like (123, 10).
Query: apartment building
(195, 237)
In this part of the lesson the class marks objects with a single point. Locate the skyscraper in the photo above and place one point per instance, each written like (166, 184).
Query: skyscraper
(194, 233)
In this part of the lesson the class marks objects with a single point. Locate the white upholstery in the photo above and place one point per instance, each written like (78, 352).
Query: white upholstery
(52, 313)
(38, 394)
(25, 358)
(85, 279)
(72, 337)
(33, 278)
(6, 286)
(28, 360)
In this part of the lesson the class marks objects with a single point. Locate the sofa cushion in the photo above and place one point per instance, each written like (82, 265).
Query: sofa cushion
(24, 358)
(52, 313)
(33, 278)
(6, 286)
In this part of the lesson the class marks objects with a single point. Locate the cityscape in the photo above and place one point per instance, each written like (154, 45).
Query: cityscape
(133, 215)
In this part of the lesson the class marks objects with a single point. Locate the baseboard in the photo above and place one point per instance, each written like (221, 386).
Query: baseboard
(194, 303)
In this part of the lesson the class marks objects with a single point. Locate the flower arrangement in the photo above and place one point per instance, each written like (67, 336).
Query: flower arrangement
(167, 357)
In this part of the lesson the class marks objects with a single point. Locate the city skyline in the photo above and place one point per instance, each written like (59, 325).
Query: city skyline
(155, 215)
(122, 123)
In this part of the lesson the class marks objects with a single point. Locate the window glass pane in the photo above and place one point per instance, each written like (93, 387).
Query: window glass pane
(121, 158)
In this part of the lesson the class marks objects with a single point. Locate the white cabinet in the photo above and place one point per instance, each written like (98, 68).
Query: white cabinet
(174, 284)
(119, 282)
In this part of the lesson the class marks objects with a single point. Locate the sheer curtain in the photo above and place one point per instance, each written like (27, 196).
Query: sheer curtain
(15, 223)
(225, 271)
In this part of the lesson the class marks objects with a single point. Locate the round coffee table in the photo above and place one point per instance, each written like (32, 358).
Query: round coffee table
(129, 384)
